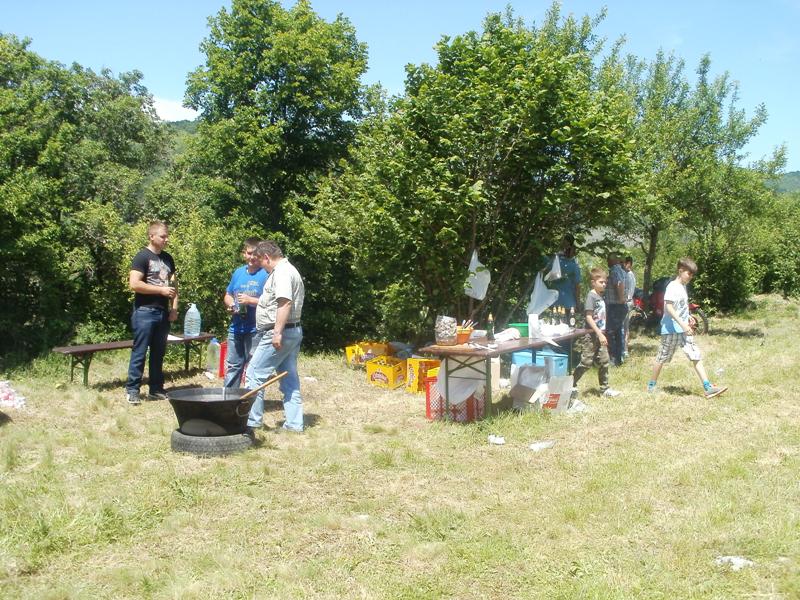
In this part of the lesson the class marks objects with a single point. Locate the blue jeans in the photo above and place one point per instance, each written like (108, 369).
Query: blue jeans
(266, 362)
(240, 351)
(150, 328)
(614, 331)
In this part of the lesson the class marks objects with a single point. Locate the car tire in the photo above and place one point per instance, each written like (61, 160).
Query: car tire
(217, 445)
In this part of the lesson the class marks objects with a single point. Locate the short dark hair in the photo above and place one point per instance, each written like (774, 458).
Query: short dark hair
(269, 248)
(629, 259)
(251, 242)
(687, 264)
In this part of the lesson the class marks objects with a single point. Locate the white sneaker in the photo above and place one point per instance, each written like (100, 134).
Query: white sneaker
(611, 393)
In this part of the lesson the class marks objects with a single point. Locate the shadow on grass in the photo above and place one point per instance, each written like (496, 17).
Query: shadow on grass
(738, 332)
(115, 384)
(678, 390)
(4, 418)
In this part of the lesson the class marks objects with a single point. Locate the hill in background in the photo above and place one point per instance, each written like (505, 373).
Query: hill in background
(788, 182)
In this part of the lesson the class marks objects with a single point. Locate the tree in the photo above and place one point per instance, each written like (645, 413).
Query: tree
(74, 150)
(279, 96)
(511, 140)
(689, 142)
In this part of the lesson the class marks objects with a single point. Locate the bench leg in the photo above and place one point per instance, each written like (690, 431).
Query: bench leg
(80, 359)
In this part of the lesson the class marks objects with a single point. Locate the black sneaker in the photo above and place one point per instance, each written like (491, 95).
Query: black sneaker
(133, 398)
(250, 432)
(158, 395)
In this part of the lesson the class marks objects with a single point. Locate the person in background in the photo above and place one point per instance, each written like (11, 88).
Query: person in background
(278, 321)
(595, 344)
(615, 306)
(630, 288)
(676, 330)
(568, 285)
(241, 298)
(155, 306)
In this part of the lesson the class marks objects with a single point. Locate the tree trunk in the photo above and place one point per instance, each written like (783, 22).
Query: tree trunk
(650, 258)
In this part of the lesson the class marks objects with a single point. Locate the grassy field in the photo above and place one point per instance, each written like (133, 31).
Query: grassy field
(637, 499)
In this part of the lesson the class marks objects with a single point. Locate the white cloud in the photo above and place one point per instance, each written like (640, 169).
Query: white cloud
(172, 110)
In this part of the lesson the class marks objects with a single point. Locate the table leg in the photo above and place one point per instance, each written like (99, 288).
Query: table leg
(447, 372)
(83, 360)
(487, 402)
(87, 360)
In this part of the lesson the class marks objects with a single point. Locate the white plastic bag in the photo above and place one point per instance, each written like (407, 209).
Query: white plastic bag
(477, 282)
(555, 270)
(541, 297)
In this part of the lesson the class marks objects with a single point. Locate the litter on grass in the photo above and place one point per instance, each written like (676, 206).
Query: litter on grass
(736, 563)
(497, 440)
(543, 445)
(9, 398)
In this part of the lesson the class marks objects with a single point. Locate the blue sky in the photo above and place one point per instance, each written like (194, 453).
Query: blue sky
(756, 42)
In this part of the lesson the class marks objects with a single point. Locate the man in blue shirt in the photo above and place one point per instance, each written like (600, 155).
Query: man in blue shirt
(241, 298)
(568, 285)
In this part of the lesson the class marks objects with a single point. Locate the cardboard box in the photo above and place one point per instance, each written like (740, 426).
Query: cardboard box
(386, 372)
(417, 371)
(361, 352)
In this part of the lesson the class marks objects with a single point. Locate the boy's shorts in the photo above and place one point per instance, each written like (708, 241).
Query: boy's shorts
(669, 342)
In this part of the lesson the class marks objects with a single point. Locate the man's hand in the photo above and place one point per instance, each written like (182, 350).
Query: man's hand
(173, 314)
(169, 292)
(602, 338)
(276, 340)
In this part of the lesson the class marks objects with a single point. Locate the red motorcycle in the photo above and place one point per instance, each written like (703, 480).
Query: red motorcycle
(647, 310)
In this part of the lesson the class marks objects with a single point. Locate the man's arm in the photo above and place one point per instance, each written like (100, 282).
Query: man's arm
(281, 318)
(137, 284)
(593, 325)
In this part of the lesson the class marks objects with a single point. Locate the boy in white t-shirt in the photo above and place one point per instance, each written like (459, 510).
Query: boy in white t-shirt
(676, 329)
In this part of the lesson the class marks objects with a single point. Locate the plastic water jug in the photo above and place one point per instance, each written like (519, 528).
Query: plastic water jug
(212, 355)
(191, 322)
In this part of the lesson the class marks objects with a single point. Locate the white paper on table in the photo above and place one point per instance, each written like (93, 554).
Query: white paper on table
(173, 338)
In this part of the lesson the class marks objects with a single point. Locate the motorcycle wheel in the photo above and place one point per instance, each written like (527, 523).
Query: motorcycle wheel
(700, 322)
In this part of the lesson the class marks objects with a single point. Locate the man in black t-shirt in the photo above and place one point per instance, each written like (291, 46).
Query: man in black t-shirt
(152, 279)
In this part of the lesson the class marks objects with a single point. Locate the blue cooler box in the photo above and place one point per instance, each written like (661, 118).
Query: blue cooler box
(560, 361)
(522, 357)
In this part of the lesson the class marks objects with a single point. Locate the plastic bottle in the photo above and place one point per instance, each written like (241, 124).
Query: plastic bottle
(212, 355)
(490, 328)
(241, 307)
(192, 322)
(572, 317)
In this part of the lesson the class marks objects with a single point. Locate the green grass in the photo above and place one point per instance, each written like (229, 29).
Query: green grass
(638, 497)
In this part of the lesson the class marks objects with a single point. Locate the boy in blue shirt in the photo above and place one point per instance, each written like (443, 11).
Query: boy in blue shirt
(676, 329)
(241, 298)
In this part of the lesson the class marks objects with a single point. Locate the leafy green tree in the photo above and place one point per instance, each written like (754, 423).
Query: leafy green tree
(515, 137)
(74, 150)
(689, 144)
(279, 96)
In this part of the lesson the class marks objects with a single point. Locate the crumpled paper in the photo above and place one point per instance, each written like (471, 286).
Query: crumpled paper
(9, 397)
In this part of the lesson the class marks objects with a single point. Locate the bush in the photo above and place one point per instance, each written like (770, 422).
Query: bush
(727, 274)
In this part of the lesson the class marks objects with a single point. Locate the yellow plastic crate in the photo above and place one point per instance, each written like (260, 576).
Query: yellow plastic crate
(360, 352)
(417, 370)
(386, 372)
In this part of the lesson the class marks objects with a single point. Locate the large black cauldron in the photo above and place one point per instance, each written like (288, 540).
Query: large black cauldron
(211, 411)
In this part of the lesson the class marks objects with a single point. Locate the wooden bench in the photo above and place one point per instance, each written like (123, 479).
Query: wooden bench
(82, 354)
